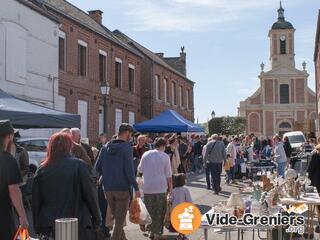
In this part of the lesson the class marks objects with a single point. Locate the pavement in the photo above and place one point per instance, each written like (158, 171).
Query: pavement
(204, 199)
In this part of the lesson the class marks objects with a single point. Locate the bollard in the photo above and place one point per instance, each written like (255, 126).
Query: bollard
(66, 229)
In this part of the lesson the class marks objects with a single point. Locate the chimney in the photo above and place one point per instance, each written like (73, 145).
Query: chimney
(96, 15)
(183, 55)
(160, 54)
(182, 59)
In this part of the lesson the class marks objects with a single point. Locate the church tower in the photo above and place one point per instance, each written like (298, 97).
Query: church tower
(282, 42)
(283, 102)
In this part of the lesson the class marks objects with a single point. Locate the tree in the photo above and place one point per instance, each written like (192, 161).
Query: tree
(227, 125)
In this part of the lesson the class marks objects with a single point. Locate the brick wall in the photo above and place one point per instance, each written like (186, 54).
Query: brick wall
(74, 87)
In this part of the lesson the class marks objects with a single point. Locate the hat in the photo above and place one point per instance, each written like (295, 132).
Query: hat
(125, 127)
(6, 128)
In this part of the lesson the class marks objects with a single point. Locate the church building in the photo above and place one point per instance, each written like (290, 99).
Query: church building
(283, 102)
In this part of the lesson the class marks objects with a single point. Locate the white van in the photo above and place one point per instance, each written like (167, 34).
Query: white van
(296, 139)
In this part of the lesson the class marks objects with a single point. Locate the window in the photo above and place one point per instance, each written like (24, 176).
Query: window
(62, 53)
(165, 90)
(157, 85)
(102, 66)
(83, 112)
(118, 119)
(174, 93)
(131, 77)
(282, 46)
(188, 98)
(180, 96)
(82, 58)
(284, 93)
(118, 73)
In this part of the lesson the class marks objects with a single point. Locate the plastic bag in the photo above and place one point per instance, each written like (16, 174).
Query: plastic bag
(22, 234)
(145, 217)
(134, 211)
(138, 213)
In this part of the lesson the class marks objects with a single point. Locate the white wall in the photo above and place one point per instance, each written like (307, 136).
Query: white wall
(28, 54)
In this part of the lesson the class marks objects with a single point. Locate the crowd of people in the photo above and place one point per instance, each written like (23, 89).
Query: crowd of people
(96, 184)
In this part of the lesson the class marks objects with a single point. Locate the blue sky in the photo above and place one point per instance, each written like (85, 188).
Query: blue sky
(225, 40)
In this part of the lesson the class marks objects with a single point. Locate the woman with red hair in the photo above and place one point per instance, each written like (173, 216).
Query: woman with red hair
(63, 188)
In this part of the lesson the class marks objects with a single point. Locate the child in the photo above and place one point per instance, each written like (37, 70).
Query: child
(228, 167)
(180, 194)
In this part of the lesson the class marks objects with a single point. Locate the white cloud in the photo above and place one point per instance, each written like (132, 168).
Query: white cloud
(190, 15)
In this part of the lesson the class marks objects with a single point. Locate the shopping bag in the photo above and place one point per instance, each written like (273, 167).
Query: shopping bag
(134, 211)
(22, 234)
(138, 213)
(145, 217)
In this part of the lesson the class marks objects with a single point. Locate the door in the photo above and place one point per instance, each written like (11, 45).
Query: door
(118, 119)
(83, 112)
(132, 119)
(101, 118)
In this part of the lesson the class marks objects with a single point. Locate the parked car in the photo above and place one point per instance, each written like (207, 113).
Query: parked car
(297, 140)
(37, 149)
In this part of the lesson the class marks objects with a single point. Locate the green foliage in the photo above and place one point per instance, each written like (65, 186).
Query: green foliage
(227, 125)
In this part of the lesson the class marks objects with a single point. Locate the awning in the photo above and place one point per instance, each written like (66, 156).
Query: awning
(168, 121)
(26, 115)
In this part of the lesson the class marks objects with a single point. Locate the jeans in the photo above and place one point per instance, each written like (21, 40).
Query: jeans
(195, 163)
(230, 174)
(103, 210)
(281, 168)
(119, 205)
(215, 170)
(208, 180)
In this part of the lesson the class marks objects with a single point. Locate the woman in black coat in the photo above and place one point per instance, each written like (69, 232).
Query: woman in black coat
(287, 148)
(63, 188)
(314, 168)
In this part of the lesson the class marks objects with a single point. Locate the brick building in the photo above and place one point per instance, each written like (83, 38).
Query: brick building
(164, 83)
(91, 55)
(317, 69)
(283, 102)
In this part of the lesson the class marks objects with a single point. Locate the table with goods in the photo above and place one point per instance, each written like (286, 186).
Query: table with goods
(270, 196)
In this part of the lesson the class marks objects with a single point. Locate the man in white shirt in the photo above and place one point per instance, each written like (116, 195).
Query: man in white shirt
(157, 176)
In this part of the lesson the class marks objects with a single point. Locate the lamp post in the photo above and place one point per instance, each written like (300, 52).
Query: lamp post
(105, 90)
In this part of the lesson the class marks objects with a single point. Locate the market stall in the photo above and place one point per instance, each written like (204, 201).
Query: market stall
(168, 121)
(269, 197)
(25, 115)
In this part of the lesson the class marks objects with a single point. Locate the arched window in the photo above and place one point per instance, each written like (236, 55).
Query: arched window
(284, 93)
(285, 125)
(283, 46)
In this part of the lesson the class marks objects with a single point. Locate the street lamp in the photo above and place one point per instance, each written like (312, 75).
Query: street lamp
(105, 90)
(213, 114)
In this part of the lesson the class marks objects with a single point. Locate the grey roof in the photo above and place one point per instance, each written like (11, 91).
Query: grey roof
(154, 57)
(36, 6)
(282, 25)
(76, 14)
(176, 63)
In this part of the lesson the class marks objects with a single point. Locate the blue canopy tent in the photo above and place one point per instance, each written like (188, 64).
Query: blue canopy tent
(26, 115)
(168, 121)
